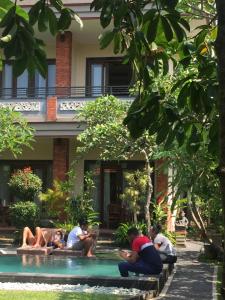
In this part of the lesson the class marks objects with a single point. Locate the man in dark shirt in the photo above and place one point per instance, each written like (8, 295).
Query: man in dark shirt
(143, 259)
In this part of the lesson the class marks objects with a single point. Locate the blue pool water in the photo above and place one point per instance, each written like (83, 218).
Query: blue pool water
(55, 265)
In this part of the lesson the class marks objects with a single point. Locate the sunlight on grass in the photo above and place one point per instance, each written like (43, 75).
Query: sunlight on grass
(30, 295)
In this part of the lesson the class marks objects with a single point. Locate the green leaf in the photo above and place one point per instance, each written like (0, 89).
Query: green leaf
(19, 66)
(41, 62)
(180, 82)
(149, 15)
(9, 16)
(194, 140)
(22, 13)
(106, 14)
(106, 39)
(183, 96)
(52, 20)
(163, 132)
(184, 23)
(34, 12)
(42, 20)
(152, 29)
(64, 19)
(167, 29)
(180, 33)
(170, 139)
(194, 99)
(58, 4)
(117, 42)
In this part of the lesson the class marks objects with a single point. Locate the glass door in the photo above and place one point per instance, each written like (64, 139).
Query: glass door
(111, 190)
(97, 79)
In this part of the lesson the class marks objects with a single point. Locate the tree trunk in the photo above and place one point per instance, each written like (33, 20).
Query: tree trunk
(201, 225)
(149, 192)
(220, 51)
(135, 217)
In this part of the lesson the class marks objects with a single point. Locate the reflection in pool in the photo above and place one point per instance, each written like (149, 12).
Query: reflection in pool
(56, 265)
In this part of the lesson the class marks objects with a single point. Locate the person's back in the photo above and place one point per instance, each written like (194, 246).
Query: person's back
(73, 236)
(143, 258)
(165, 245)
(147, 252)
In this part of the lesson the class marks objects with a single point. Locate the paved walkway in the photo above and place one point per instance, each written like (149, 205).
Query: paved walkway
(192, 280)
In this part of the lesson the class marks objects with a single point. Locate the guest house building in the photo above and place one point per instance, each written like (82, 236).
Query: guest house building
(78, 72)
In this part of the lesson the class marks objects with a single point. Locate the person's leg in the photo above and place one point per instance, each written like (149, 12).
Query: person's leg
(138, 267)
(39, 239)
(28, 237)
(88, 247)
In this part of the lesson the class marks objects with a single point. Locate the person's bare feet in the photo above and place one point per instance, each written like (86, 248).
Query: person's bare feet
(91, 255)
(36, 246)
(24, 246)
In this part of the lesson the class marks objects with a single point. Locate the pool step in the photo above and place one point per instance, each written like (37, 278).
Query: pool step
(6, 241)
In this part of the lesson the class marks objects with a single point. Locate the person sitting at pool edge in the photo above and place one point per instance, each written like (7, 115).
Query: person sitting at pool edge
(80, 239)
(166, 250)
(43, 237)
(143, 259)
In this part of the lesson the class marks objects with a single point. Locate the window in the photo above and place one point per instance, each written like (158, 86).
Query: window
(108, 76)
(26, 86)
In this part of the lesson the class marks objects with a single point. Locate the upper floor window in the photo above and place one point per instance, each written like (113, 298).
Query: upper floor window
(108, 76)
(26, 86)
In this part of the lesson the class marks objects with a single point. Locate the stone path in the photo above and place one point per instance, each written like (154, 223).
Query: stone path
(193, 280)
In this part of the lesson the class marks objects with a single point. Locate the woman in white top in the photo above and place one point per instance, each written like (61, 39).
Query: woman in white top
(163, 245)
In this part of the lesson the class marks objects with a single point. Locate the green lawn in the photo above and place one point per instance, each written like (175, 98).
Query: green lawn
(28, 295)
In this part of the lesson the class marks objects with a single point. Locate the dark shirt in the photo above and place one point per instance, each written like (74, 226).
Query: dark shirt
(147, 252)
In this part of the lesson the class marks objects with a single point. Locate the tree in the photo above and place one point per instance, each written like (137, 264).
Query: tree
(14, 132)
(106, 132)
(149, 38)
(18, 40)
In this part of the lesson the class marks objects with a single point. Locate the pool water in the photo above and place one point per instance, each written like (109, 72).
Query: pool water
(55, 265)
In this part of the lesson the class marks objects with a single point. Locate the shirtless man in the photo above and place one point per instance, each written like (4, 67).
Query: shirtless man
(42, 237)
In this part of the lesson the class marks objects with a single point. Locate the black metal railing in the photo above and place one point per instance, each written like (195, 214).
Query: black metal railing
(64, 92)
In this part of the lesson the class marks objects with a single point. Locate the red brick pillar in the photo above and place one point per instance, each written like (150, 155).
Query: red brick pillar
(161, 180)
(51, 109)
(63, 62)
(60, 158)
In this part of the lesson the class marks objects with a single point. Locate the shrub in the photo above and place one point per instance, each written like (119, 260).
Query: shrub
(121, 232)
(56, 198)
(25, 184)
(81, 206)
(24, 213)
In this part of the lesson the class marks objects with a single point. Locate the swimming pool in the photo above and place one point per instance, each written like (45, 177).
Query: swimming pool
(54, 265)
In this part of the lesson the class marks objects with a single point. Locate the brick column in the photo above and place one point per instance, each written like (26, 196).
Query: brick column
(60, 158)
(51, 109)
(161, 180)
(63, 62)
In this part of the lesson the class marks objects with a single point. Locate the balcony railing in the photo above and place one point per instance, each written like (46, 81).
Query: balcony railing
(64, 92)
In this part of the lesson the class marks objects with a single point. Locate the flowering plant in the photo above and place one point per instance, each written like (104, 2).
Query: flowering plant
(25, 184)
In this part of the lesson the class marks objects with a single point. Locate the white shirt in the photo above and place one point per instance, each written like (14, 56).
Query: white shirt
(73, 236)
(165, 244)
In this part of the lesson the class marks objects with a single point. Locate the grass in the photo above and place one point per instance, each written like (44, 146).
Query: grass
(29, 295)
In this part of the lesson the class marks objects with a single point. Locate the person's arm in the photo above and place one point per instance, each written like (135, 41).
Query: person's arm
(83, 236)
(157, 246)
(158, 242)
(131, 257)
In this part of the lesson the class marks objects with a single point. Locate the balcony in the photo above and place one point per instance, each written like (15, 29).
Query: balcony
(66, 102)
(64, 92)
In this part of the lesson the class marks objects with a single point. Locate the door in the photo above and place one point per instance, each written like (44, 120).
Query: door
(111, 188)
